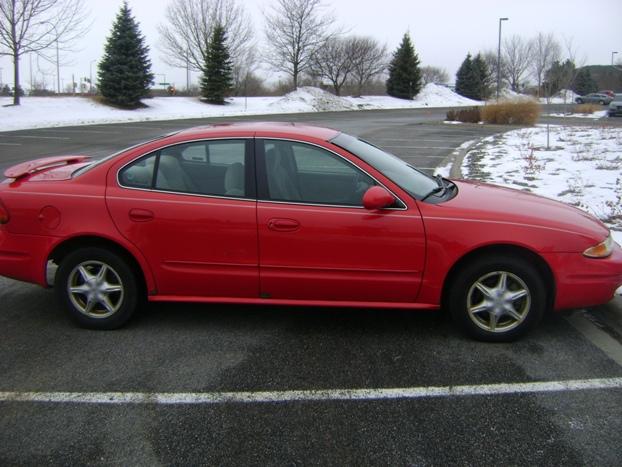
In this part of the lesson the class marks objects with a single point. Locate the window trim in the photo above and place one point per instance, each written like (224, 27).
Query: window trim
(262, 177)
(249, 169)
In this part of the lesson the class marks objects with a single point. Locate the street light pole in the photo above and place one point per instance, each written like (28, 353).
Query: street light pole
(499, 58)
(612, 54)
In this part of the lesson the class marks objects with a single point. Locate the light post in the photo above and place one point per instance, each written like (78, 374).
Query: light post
(612, 54)
(499, 58)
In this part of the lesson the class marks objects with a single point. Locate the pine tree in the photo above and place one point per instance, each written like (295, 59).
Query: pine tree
(217, 78)
(584, 83)
(482, 78)
(404, 73)
(124, 74)
(467, 79)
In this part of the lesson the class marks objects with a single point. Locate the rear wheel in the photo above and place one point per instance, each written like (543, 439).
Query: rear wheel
(497, 299)
(97, 287)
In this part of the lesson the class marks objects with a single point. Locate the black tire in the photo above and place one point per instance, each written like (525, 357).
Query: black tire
(108, 308)
(579, 101)
(601, 102)
(487, 317)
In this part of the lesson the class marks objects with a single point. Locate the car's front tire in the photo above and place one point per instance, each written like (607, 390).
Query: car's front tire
(97, 287)
(497, 299)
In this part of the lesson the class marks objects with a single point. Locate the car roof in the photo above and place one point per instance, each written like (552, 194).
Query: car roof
(258, 129)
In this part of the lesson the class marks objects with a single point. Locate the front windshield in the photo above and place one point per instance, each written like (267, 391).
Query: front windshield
(418, 184)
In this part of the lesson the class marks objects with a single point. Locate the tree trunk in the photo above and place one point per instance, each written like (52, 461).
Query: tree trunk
(16, 96)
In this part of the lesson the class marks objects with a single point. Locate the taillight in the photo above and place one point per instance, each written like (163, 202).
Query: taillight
(4, 214)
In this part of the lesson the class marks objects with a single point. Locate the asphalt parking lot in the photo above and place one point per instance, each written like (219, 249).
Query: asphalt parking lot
(242, 385)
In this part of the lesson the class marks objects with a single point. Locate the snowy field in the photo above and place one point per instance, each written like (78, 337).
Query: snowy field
(42, 112)
(582, 167)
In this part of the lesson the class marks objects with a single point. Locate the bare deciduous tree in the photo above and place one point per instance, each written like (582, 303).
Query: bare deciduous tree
(369, 59)
(35, 25)
(546, 50)
(185, 36)
(517, 59)
(295, 30)
(333, 62)
(433, 74)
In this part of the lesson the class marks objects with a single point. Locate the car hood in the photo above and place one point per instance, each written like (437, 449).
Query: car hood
(482, 201)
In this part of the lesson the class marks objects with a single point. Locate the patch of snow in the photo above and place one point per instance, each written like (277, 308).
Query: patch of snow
(565, 96)
(310, 99)
(449, 122)
(581, 167)
(42, 112)
(595, 115)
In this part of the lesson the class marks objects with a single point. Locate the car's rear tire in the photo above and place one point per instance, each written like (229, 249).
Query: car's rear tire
(579, 101)
(497, 299)
(98, 288)
(601, 102)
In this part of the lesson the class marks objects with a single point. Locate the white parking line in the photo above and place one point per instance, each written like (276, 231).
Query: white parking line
(10, 144)
(321, 395)
(37, 137)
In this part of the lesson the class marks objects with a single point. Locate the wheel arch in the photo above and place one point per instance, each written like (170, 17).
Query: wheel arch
(61, 250)
(540, 263)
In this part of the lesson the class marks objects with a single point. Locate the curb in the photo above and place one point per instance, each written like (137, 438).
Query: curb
(456, 157)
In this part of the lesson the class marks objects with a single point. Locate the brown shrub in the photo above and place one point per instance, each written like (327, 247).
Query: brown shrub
(587, 108)
(471, 115)
(512, 112)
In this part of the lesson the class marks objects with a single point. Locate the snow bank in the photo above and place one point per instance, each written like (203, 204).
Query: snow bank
(42, 112)
(310, 99)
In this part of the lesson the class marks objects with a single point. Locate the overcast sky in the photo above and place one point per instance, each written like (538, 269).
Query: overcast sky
(442, 31)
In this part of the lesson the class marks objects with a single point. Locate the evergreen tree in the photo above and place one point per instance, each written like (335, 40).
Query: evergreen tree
(217, 78)
(124, 74)
(584, 83)
(559, 76)
(404, 73)
(468, 79)
(483, 78)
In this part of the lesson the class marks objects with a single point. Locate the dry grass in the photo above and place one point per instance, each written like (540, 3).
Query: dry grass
(587, 108)
(471, 115)
(511, 112)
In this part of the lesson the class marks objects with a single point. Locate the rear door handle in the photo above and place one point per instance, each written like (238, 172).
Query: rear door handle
(141, 215)
(283, 225)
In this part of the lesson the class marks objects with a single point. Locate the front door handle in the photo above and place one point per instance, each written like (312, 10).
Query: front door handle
(141, 215)
(283, 225)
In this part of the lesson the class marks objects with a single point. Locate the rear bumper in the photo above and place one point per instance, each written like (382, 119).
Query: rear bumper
(583, 282)
(24, 257)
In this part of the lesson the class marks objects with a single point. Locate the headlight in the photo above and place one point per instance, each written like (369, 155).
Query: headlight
(602, 250)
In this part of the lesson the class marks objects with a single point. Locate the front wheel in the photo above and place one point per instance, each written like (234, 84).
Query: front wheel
(497, 299)
(97, 287)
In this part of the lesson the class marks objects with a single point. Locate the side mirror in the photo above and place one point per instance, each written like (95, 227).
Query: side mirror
(377, 197)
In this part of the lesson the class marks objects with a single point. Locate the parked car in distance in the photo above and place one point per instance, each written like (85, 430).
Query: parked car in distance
(287, 214)
(615, 106)
(594, 98)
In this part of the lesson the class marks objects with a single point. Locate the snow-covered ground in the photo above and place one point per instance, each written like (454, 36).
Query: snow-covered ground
(596, 115)
(582, 167)
(565, 96)
(40, 112)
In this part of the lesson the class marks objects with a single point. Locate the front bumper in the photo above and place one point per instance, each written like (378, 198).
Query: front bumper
(583, 282)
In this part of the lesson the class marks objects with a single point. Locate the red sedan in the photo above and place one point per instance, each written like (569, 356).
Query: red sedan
(286, 214)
